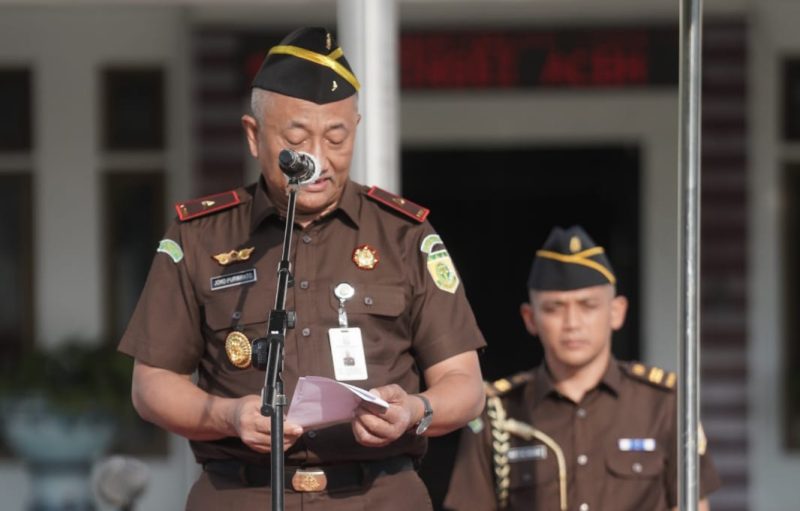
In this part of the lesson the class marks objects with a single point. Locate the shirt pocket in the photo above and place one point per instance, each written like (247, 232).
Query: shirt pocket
(373, 299)
(379, 310)
(238, 309)
(635, 465)
(533, 482)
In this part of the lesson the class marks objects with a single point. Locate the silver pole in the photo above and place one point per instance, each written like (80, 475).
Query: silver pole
(368, 33)
(689, 157)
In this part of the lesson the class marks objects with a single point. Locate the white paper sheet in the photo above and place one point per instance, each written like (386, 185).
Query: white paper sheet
(320, 401)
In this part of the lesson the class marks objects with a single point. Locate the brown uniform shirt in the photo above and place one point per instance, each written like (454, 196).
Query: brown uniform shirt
(618, 445)
(408, 323)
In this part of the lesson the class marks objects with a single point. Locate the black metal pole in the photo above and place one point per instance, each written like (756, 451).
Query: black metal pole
(268, 355)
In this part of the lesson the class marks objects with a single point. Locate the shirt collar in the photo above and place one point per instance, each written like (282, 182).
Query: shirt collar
(263, 207)
(612, 380)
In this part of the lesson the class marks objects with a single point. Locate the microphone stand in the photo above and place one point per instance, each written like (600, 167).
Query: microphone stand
(268, 354)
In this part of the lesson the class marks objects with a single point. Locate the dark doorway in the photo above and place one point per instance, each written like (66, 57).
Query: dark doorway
(494, 209)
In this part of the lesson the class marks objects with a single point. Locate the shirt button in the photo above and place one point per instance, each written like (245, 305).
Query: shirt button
(637, 467)
(584, 507)
(583, 459)
(368, 300)
(306, 332)
(306, 239)
(581, 413)
(312, 434)
(303, 284)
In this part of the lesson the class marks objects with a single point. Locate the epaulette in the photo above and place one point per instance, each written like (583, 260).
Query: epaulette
(195, 208)
(399, 204)
(651, 374)
(505, 385)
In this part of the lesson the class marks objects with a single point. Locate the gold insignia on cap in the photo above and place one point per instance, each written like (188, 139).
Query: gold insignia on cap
(575, 244)
(237, 346)
(233, 256)
(366, 257)
(638, 369)
(334, 85)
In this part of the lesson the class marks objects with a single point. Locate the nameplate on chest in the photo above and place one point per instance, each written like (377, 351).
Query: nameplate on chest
(527, 453)
(233, 279)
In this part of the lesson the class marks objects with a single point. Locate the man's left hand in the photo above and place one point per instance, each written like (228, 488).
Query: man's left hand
(375, 427)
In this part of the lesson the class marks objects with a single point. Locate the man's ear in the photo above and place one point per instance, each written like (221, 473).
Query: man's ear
(619, 307)
(250, 126)
(529, 318)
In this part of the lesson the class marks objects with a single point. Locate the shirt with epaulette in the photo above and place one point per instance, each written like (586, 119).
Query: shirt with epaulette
(213, 282)
(533, 448)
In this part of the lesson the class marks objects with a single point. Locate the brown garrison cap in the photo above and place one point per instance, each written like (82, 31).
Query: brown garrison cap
(307, 64)
(570, 259)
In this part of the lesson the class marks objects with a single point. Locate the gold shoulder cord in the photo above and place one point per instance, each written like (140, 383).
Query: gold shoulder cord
(528, 432)
(500, 446)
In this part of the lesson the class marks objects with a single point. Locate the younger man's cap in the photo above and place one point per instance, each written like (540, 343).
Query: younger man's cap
(307, 64)
(569, 260)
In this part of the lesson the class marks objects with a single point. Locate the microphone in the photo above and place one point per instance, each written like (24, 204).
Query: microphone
(302, 168)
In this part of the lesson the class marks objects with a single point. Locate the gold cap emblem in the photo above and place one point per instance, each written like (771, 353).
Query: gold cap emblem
(233, 256)
(237, 347)
(366, 257)
(575, 244)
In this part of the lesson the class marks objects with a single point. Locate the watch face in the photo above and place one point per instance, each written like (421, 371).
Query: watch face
(422, 427)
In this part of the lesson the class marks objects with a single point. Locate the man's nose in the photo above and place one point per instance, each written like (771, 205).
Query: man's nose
(572, 319)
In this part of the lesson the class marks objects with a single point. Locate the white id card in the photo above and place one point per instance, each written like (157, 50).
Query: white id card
(347, 350)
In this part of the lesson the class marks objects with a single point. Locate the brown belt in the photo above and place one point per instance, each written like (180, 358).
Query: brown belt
(343, 476)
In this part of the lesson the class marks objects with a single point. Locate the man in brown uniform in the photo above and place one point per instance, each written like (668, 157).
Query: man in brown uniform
(581, 432)
(378, 303)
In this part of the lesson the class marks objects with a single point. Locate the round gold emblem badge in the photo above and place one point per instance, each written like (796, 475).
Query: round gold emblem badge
(237, 346)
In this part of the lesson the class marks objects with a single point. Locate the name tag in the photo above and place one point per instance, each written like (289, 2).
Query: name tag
(347, 350)
(528, 452)
(233, 279)
(637, 444)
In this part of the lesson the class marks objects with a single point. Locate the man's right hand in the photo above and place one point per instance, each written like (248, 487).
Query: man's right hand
(171, 401)
(254, 429)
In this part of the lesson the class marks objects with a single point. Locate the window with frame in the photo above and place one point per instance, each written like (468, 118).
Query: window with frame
(791, 304)
(133, 207)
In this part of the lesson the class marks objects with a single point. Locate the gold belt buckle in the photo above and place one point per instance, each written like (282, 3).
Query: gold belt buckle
(309, 480)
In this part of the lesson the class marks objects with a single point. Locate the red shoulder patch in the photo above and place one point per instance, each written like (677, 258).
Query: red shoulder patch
(404, 206)
(202, 206)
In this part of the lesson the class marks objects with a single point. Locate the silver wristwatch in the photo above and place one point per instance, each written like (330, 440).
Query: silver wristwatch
(427, 416)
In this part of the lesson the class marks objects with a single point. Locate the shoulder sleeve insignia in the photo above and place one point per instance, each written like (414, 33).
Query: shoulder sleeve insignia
(195, 208)
(404, 206)
(653, 375)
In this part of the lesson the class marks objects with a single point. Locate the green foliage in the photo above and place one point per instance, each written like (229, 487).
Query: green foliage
(75, 377)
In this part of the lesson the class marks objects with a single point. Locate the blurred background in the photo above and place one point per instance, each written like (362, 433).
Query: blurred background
(510, 117)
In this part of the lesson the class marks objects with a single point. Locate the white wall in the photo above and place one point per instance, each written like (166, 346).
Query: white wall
(773, 472)
(66, 48)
